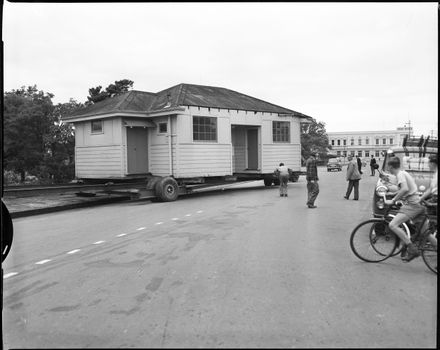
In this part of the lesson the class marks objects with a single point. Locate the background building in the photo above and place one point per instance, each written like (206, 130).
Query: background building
(366, 143)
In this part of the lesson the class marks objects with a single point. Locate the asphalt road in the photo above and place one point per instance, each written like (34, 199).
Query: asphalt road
(238, 268)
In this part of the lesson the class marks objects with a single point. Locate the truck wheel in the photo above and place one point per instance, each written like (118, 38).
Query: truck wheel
(167, 189)
(294, 178)
(276, 182)
(267, 182)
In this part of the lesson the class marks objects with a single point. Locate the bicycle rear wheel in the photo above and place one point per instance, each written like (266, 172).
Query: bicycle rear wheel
(372, 241)
(429, 253)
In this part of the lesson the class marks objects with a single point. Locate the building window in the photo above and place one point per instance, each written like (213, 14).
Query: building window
(338, 153)
(360, 142)
(333, 142)
(204, 128)
(281, 131)
(384, 141)
(391, 141)
(367, 140)
(377, 141)
(352, 153)
(377, 153)
(339, 142)
(163, 128)
(97, 127)
(345, 142)
(367, 153)
(359, 153)
(345, 153)
(352, 142)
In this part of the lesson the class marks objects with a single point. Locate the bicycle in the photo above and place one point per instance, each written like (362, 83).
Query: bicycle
(373, 241)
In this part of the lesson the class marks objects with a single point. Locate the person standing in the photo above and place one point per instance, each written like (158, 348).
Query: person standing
(312, 181)
(283, 174)
(359, 164)
(353, 177)
(372, 165)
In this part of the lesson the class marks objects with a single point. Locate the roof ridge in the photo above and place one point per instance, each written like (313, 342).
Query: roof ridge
(182, 94)
(123, 99)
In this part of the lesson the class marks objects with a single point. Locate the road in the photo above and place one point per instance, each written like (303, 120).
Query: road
(234, 268)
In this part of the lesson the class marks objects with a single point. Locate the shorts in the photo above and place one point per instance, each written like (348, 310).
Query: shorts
(412, 210)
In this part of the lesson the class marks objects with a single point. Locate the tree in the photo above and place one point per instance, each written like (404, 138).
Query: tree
(314, 139)
(96, 94)
(26, 121)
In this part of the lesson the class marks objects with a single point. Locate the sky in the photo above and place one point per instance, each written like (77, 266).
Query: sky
(353, 66)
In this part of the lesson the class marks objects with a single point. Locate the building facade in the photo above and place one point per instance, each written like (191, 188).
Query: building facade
(365, 143)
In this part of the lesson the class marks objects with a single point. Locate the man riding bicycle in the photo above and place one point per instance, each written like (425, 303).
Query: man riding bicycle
(412, 205)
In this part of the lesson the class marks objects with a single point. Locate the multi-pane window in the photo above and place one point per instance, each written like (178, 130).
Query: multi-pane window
(345, 153)
(163, 128)
(345, 142)
(333, 142)
(384, 141)
(204, 128)
(391, 141)
(360, 141)
(281, 131)
(339, 142)
(352, 153)
(367, 140)
(96, 127)
(377, 153)
(338, 153)
(359, 153)
(352, 142)
(377, 141)
(367, 153)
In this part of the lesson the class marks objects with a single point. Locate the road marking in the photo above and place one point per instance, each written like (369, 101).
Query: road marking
(140, 228)
(42, 262)
(188, 215)
(74, 251)
(121, 235)
(174, 219)
(159, 223)
(99, 242)
(200, 211)
(10, 274)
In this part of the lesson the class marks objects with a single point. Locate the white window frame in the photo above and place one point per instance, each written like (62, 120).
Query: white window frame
(96, 132)
(274, 135)
(158, 128)
(216, 129)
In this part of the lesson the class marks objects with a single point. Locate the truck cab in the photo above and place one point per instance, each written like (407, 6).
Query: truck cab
(414, 158)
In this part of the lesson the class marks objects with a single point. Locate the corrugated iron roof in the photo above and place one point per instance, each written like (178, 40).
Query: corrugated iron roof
(181, 95)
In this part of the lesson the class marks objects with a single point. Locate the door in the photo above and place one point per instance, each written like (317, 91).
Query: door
(252, 149)
(137, 150)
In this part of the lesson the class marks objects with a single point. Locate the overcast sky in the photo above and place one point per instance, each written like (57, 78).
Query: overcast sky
(365, 66)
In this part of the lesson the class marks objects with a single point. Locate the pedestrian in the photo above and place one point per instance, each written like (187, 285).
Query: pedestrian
(283, 175)
(359, 164)
(353, 177)
(372, 165)
(312, 181)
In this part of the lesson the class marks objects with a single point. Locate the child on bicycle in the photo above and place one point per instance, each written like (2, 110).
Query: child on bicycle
(411, 209)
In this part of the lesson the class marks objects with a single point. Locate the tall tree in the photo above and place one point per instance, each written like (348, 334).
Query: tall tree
(314, 139)
(96, 94)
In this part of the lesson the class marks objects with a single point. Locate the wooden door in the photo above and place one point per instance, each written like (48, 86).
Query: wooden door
(137, 150)
(252, 149)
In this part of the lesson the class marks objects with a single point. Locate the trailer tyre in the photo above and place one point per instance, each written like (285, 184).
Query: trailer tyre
(268, 182)
(167, 189)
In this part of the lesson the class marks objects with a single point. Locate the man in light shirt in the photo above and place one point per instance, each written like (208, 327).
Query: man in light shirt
(283, 175)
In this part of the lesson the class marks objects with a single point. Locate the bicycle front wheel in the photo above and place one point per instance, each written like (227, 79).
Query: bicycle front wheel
(372, 241)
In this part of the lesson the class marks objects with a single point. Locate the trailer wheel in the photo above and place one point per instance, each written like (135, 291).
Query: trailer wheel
(294, 178)
(167, 189)
(276, 182)
(268, 182)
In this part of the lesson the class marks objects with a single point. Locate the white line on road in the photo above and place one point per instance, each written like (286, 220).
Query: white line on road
(200, 211)
(74, 251)
(140, 228)
(174, 219)
(121, 235)
(42, 262)
(188, 215)
(10, 274)
(99, 242)
(159, 223)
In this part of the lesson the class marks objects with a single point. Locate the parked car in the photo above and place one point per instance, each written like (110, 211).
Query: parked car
(334, 164)
(414, 158)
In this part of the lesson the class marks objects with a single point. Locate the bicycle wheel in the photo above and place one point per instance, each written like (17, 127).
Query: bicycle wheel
(429, 253)
(372, 241)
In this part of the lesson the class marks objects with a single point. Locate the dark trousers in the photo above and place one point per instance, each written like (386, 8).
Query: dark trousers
(312, 192)
(284, 179)
(372, 170)
(351, 184)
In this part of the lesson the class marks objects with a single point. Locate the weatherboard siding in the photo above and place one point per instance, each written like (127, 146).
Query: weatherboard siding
(98, 161)
(275, 153)
(159, 160)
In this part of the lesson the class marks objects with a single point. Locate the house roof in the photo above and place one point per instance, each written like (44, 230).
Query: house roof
(180, 95)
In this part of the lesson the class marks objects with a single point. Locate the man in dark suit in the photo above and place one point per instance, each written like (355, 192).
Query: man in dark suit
(359, 164)
(372, 164)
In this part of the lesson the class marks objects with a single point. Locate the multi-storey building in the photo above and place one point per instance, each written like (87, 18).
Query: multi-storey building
(366, 143)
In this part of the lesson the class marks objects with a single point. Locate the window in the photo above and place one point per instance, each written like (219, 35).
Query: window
(339, 142)
(377, 154)
(377, 142)
(281, 131)
(163, 128)
(333, 142)
(352, 153)
(367, 153)
(391, 141)
(345, 142)
(359, 153)
(352, 142)
(97, 127)
(367, 140)
(338, 153)
(204, 129)
(345, 153)
(384, 141)
(360, 141)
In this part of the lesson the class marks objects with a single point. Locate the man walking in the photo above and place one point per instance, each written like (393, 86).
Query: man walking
(359, 164)
(353, 177)
(312, 181)
(372, 164)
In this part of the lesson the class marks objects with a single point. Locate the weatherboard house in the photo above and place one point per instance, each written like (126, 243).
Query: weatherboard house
(186, 131)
